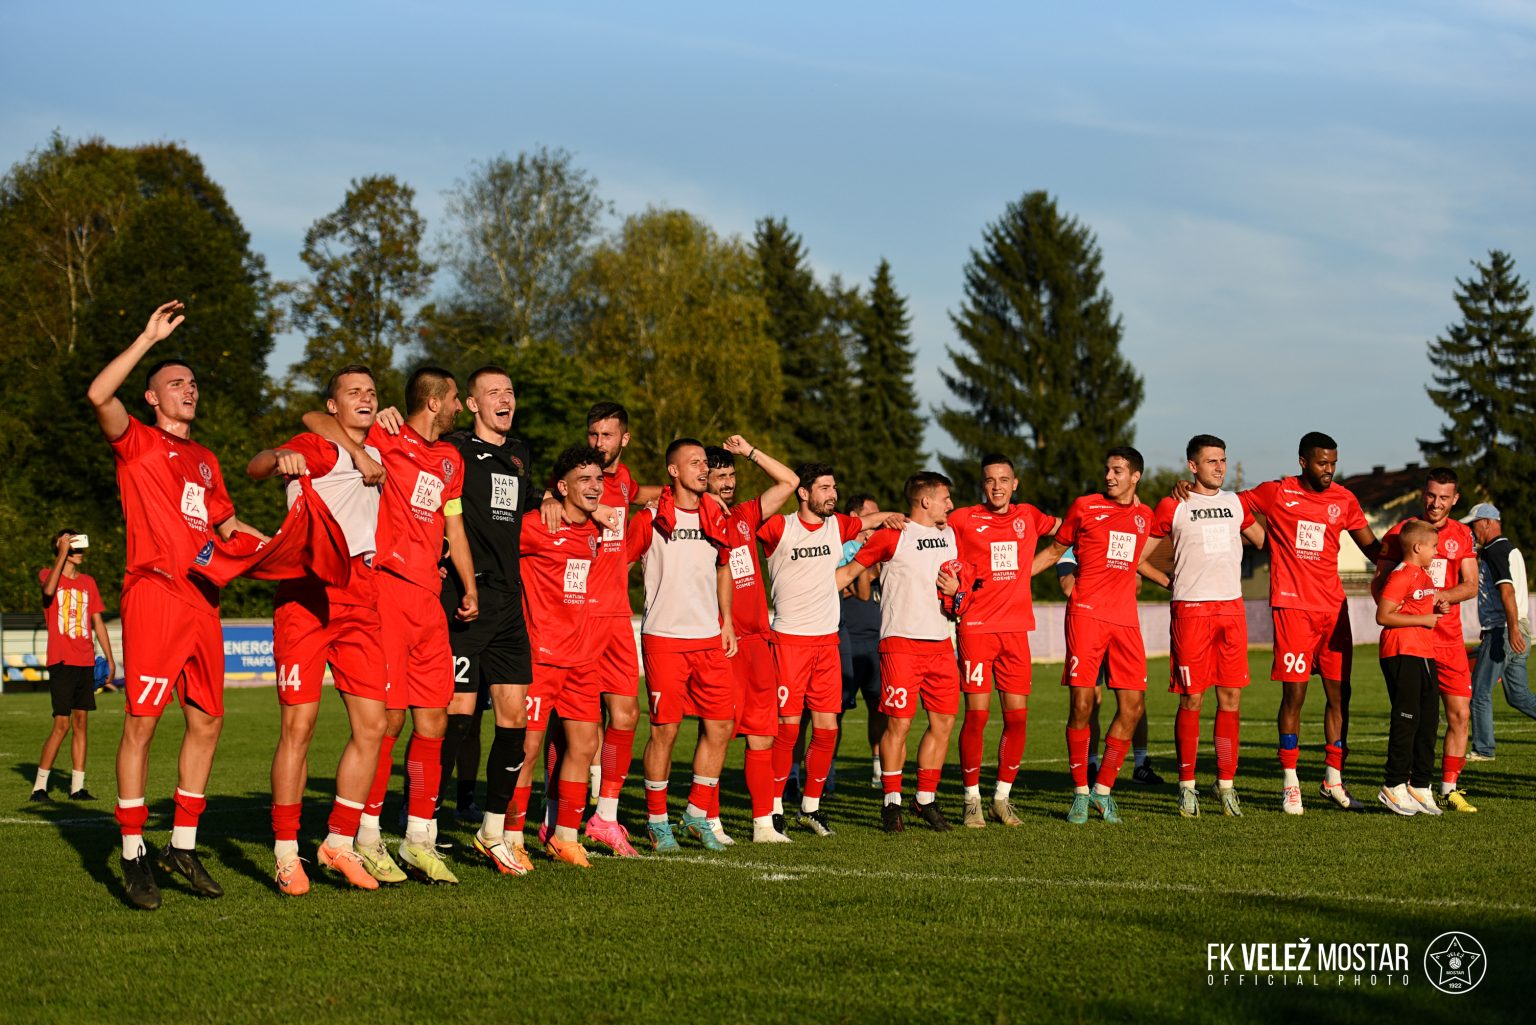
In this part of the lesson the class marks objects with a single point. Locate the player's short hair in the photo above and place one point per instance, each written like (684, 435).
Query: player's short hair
(426, 384)
(1415, 531)
(681, 443)
(1129, 454)
(1442, 475)
(857, 499)
(485, 371)
(810, 473)
(574, 458)
(1312, 441)
(170, 361)
(995, 459)
(1202, 441)
(922, 482)
(608, 411)
(335, 381)
(719, 458)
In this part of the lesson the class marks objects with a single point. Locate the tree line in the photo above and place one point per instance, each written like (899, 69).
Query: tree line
(532, 269)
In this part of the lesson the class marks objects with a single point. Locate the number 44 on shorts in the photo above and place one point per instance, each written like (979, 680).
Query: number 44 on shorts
(288, 677)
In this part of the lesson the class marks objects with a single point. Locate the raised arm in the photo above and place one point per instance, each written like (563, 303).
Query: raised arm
(51, 585)
(784, 479)
(111, 416)
(276, 462)
(326, 425)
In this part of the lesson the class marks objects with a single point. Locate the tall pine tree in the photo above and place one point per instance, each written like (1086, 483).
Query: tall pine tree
(812, 357)
(884, 413)
(1485, 384)
(1039, 376)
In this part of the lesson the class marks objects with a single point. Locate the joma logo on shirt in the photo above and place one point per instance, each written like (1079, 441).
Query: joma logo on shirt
(1218, 513)
(931, 542)
(687, 534)
(810, 552)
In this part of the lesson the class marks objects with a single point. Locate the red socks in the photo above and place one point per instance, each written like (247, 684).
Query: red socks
(759, 773)
(189, 809)
(656, 798)
(784, 755)
(1333, 756)
(890, 781)
(424, 773)
(973, 735)
(1186, 740)
(705, 795)
(618, 752)
(1115, 750)
(928, 780)
(1228, 726)
(1450, 769)
(573, 801)
(380, 787)
(1010, 750)
(1077, 755)
(131, 819)
(517, 814)
(345, 818)
(285, 821)
(818, 760)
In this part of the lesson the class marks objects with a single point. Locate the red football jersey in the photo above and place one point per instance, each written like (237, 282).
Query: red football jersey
(173, 496)
(610, 585)
(749, 602)
(1412, 587)
(559, 570)
(1109, 538)
(1303, 540)
(999, 548)
(1453, 543)
(421, 479)
(68, 618)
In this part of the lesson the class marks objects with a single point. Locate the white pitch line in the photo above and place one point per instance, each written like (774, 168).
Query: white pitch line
(778, 872)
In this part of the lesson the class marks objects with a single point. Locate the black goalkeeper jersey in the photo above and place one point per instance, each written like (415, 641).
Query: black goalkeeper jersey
(497, 493)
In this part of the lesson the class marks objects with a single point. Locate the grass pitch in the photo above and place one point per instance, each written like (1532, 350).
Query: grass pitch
(1041, 923)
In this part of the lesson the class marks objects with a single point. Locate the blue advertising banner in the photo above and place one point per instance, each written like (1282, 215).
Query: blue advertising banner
(248, 649)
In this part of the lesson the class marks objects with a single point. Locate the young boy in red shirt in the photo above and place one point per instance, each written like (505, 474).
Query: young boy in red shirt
(1406, 610)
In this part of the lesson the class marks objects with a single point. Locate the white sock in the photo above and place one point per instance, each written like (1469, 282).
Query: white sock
(337, 842)
(716, 824)
(417, 830)
(973, 792)
(1224, 784)
(810, 804)
(565, 834)
(514, 837)
(41, 783)
(285, 849)
(693, 811)
(368, 829)
(76, 780)
(184, 838)
(1101, 789)
(778, 806)
(595, 777)
(1141, 756)
(763, 822)
(1080, 790)
(1186, 784)
(492, 826)
(877, 767)
(608, 808)
(1446, 788)
(1331, 776)
(1003, 791)
(894, 797)
(133, 845)
(925, 797)
(1288, 778)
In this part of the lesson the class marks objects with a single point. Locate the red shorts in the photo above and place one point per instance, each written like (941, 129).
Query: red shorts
(757, 707)
(1092, 643)
(1453, 670)
(1308, 642)
(922, 669)
(306, 636)
(1208, 651)
(810, 676)
(696, 681)
(572, 692)
(1000, 658)
(618, 671)
(170, 645)
(416, 646)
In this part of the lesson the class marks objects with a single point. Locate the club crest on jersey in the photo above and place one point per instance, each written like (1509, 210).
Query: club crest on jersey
(1141, 524)
(624, 490)
(741, 528)
(1333, 513)
(206, 472)
(1019, 526)
(517, 464)
(447, 470)
(204, 554)
(1452, 546)
(592, 545)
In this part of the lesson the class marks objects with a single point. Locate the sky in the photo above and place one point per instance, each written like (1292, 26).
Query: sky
(1285, 193)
